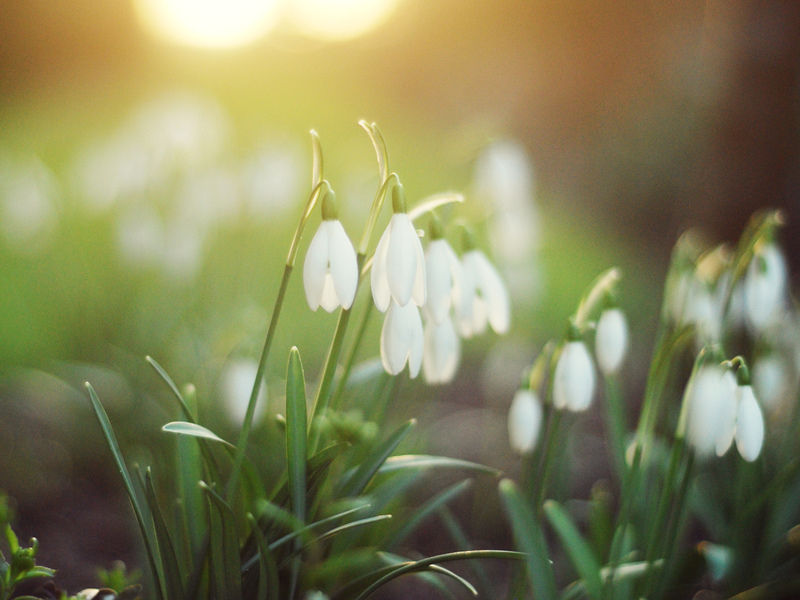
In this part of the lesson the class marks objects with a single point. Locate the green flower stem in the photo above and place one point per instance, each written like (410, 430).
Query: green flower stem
(547, 459)
(615, 423)
(244, 436)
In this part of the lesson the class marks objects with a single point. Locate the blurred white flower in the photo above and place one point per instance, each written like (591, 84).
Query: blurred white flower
(28, 195)
(272, 180)
(141, 236)
(402, 339)
(330, 272)
(710, 408)
(398, 268)
(443, 272)
(611, 340)
(235, 387)
(442, 351)
(524, 421)
(770, 378)
(765, 286)
(484, 297)
(574, 378)
(749, 424)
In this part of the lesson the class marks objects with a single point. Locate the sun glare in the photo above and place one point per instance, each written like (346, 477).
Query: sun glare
(209, 23)
(339, 19)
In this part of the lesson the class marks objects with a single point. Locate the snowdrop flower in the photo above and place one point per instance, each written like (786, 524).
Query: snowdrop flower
(524, 421)
(611, 340)
(236, 385)
(765, 285)
(711, 409)
(574, 378)
(398, 268)
(484, 298)
(442, 351)
(749, 432)
(330, 272)
(402, 339)
(770, 378)
(443, 274)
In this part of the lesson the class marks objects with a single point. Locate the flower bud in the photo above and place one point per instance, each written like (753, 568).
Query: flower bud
(524, 421)
(574, 378)
(749, 424)
(611, 340)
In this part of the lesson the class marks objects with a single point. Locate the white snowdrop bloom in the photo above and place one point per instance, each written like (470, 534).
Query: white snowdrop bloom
(611, 340)
(749, 424)
(574, 378)
(707, 408)
(765, 286)
(770, 377)
(141, 236)
(524, 421)
(726, 417)
(402, 339)
(330, 272)
(235, 387)
(398, 268)
(443, 273)
(704, 310)
(484, 297)
(442, 351)
(29, 194)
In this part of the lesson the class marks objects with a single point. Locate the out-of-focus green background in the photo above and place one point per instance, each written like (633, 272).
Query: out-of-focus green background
(149, 190)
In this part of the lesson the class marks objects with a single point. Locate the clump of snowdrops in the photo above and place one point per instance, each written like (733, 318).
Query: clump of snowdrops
(325, 528)
(686, 513)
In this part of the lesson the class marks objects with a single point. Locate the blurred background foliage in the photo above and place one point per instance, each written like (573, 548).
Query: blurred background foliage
(149, 190)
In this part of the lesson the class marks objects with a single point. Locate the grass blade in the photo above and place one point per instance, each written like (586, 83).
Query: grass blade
(296, 434)
(173, 578)
(147, 536)
(355, 484)
(425, 461)
(268, 581)
(529, 538)
(424, 512)
(579, 551)
(226, 565)
(194, 430)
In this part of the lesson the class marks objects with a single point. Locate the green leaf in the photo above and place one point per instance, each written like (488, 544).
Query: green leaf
(194, 430)
(355, 483)
(578, 550)
(425, 511)
(173, 578)
(432, 203)
(424, 461)
(140, 512)
(174, 388)
(380, 147)
(529, 539)
(426, 563)
(268, 581)
(296, 434)
(225, 563)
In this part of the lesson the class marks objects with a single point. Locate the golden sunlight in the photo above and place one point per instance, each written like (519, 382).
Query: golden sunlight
(339, 19)
(209, 23)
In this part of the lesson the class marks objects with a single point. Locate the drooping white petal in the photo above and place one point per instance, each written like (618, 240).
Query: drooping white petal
(316, 267)
(704, 407)
(489, 302)
(524, 421)
(765, 286)
(726, 418)
(401, 258)
(236, 385)
(420, 292)
(343, 264)
(749, 425)
(379, 283)
(770, 376)
(611, 340)
(442, 273)
(574, 378)
(442, 351)
(402, 339)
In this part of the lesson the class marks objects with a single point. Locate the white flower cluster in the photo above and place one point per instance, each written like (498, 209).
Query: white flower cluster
(468, 293)
(574, 378)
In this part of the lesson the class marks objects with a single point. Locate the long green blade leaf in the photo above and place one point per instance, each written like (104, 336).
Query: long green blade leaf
(194, 430)
(173, 388)
(296, 434)
(139, 511)
(226, 565)
(578, 550)
(268, 581)
(425, 461)
(428, 509)
(358, 480)
(530, 540)
(173, 578)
